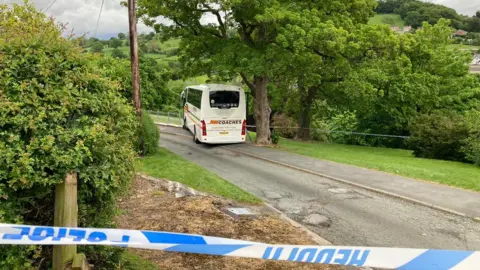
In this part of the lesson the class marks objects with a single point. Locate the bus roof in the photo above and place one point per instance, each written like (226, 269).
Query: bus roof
(214, 87)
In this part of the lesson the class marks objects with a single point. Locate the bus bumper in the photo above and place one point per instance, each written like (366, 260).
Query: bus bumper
(222, 140)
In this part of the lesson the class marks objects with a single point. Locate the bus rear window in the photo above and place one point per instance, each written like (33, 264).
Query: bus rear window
(224, 99)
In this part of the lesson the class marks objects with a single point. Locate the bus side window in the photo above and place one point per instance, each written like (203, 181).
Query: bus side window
(194, 97)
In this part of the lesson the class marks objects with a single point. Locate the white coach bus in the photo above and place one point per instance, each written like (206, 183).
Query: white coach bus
(215, 113)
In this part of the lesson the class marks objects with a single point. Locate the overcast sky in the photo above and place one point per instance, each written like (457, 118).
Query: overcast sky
(82, 14)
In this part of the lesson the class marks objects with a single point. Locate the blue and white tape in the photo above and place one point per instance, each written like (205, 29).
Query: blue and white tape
(389, 258)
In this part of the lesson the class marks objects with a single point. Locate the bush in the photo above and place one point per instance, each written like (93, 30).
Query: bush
(438, 135)
(172, 109)
(284, 125)
(173, 52)
(275, 138)
(320, 130)
(472, 143)
(117, 53)
(57, 115)
(341, 125)
(97, 47)
(148, 136)
(153, 81)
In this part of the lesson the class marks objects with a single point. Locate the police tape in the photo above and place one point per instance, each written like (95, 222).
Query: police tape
(388, 258)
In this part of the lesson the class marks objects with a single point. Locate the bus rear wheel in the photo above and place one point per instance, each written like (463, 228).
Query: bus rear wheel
(195, 136)
(185, 123)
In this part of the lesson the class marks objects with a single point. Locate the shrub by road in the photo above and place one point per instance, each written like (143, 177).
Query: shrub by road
(57, 115)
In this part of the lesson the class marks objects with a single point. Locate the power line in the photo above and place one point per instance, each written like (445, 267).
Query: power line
(98, 20)
(50, 6)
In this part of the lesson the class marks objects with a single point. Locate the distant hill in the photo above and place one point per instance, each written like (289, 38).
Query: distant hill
(390, 19)
(415, 12)
(166, 57)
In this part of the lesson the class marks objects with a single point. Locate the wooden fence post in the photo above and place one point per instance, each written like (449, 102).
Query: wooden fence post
(66, 215)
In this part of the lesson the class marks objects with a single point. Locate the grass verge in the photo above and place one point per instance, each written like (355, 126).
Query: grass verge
(396, 161)
(165, 119)
(167, 165)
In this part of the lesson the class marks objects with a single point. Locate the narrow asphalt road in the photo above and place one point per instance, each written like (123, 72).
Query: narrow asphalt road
(340, 213)
(475, 68)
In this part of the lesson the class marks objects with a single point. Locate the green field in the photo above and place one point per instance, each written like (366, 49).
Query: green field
(162, 59)
(390, 19)
(464, 47)
(396, 161)
(124, 49)
(167, 165)
(190, 81)
(170, 44)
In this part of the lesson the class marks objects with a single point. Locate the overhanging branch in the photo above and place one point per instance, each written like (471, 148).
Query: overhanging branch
(248, 83)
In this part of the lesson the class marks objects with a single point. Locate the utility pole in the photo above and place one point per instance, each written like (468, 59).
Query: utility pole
(136, 96)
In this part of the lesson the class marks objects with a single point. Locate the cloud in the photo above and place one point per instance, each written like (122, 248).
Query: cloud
(81, 15)
(464, 7)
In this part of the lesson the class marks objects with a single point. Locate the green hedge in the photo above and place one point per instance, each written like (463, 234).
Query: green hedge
(57, 115)
(148, 136)
(439, 135)
(472, 143)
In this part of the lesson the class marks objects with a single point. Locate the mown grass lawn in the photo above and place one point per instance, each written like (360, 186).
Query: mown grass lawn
(167, 165)
(396, 161)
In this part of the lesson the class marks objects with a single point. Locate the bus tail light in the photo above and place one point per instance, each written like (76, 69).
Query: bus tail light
(244, 127)
(204, 128)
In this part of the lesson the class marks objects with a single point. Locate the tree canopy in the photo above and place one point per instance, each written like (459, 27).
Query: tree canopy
(97, 47)
(156, 95)
(115, 42)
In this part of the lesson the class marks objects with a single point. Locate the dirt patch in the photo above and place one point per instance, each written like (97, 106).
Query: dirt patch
(152, 207)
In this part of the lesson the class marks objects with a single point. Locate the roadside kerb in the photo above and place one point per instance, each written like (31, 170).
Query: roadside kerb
(167, 125)
(379, 191)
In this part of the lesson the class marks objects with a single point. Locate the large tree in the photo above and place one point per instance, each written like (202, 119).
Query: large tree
(326, 41)
(243, 38)
(115, 43)
(97, 47)
(420, 75)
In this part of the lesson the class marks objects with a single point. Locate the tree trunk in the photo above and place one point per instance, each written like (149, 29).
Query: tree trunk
(262, 110)
(305, 114)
